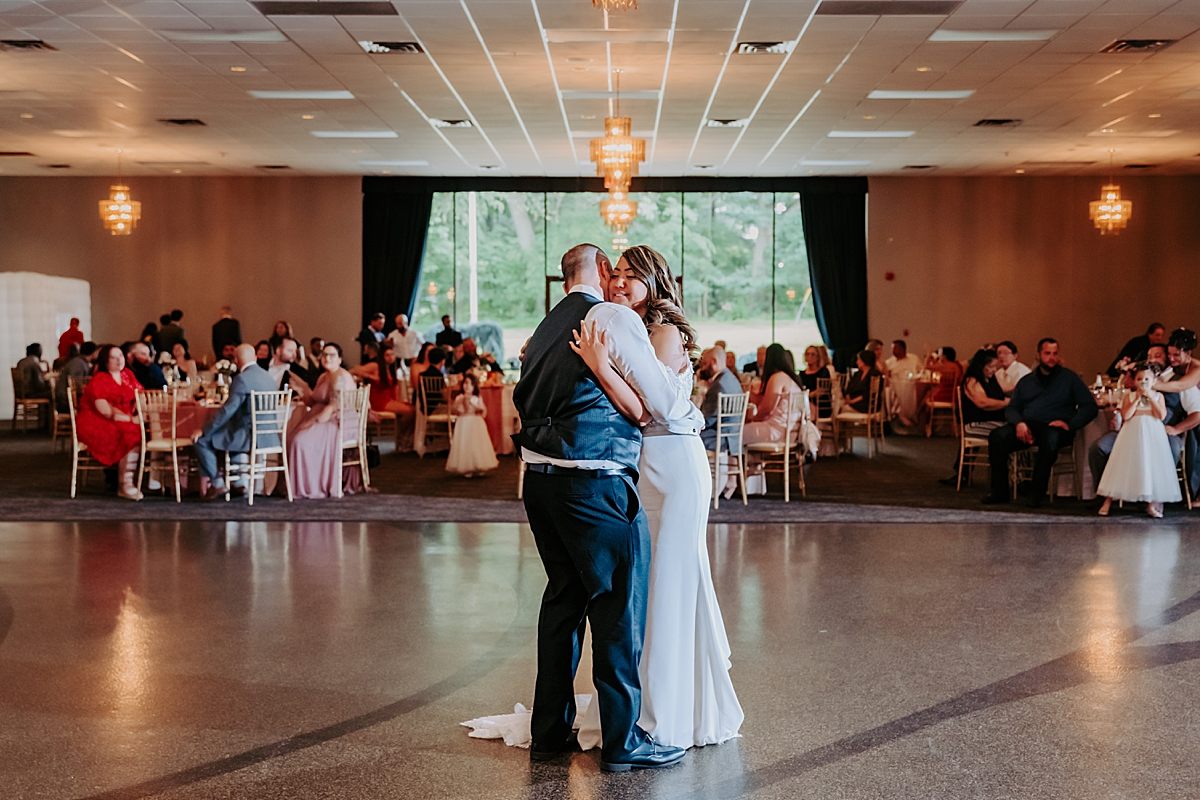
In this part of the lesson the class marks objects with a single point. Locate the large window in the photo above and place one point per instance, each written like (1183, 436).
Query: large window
(741, 256)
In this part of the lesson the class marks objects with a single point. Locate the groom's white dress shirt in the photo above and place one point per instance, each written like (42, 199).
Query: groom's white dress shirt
(633, 357)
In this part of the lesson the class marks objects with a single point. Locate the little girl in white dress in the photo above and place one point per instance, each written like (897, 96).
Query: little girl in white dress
(471, 450)
(1140, 468)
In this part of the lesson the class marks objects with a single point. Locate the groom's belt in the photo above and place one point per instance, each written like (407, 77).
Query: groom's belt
(576, 472)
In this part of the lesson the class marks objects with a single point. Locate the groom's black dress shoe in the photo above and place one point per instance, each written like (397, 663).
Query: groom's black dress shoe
(539, 752)
(650, 755)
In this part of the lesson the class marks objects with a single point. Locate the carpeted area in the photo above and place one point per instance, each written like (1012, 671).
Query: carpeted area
(898, 485)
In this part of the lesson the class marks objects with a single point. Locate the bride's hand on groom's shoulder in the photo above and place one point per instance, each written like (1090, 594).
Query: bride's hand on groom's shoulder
(591, 344)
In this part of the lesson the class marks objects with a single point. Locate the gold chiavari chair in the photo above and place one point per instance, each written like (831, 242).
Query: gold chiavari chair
(82, 460)
(353, 405)
(731, 423)
(787, 456)
(269, 414)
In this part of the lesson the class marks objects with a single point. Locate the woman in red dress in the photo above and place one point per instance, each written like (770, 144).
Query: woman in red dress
(380, 375)
(107, 418)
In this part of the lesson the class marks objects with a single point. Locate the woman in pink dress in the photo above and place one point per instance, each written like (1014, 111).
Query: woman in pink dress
(314, 452)
(107, 418)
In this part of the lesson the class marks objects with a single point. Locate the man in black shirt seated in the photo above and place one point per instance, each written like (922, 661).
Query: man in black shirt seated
(1135, 349)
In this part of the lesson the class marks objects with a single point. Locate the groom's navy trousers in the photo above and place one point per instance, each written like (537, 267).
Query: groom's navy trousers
(595, 544)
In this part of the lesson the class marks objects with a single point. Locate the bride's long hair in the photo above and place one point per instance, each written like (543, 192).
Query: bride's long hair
(663, 304)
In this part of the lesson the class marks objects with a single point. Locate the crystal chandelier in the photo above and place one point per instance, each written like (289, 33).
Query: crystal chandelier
(615, 5)
(617, 155)
(1110, 213)
(120, 212)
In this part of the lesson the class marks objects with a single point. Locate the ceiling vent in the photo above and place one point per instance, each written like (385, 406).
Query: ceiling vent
(888, 8)
(1138, 45)
(58, 166)
(1140, 166)
(13, 153)
(920, 166)
(451, 123)
(25, 44)
(405, 48)
(272, 166)
(728, 123)
(342, 8)
(183, 122)
(997, 123)
(775, 48)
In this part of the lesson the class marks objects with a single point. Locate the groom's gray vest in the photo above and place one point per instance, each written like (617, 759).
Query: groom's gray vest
(564, 412)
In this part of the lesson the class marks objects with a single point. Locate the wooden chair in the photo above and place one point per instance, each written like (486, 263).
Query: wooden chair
(269, 414)
(353, 405)
(81, 459)
(58, 419)
(158, 411)
(849, 425)
(940, 409)
(385, 419)
(972, 450)
(1181, 470)
(24, 407)
(731, 423)
(434, 408)
(783, 457)
(1020, 468)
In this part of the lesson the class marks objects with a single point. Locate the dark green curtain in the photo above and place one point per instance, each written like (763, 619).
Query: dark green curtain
(393, 246)
(835, 234)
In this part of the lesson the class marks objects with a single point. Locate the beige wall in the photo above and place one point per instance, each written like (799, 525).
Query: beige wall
(981, 259)
(273, 248)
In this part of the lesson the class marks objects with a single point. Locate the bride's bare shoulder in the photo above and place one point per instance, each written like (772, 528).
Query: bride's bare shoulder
(668, 346)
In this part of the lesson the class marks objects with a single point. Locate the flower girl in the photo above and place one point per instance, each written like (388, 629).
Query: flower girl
(471, 449)
(1140, 467)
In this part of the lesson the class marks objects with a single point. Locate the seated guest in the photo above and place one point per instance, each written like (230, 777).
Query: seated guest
(228, 353)
(421, 362)
(1187, 374)
(711, 369)
(983, 401)
(170, 332)
(186, 370)
(901, 364)
(816, 367)
(31, 374)
(858, 388)
(406, 341)
(313, 362)
(107, 418)
(731, 360)
(262, 353)
(314, 451)
(876, 347)
(1135, 349)
(71, 336)
(780, 381)
(381, 376)
(755, 367)
(141, 363)
(1141, 466)
(226, 332)
(284, 370)
(437, 358)
(951, 371)
(447, 336)
(1010, 370)
(79, 367)
(281, 331)
(1046, 409)
(229, 430)
(468, 359)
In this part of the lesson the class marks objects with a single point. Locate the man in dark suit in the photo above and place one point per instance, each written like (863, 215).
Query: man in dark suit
(371, 336)
(720, 381)
(447, 336)
(225, 331)
(229, 430)
(582, 460)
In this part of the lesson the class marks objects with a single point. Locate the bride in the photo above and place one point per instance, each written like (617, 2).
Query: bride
(687, 696)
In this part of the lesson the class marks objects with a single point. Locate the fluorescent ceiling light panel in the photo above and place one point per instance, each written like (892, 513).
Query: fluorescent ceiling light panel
(396, 163)
(943, 35)
(224, 36)
(804, 162)
(617, 35)
(870, 134)
(920, 94)
(340, 94)
(356, 134)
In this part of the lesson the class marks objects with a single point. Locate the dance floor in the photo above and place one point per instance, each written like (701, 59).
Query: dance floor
(335, 660)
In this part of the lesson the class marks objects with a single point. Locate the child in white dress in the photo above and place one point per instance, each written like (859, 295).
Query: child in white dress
(1140, 468)
(471, 449)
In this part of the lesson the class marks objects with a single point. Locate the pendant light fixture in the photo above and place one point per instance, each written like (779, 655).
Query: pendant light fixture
(120, 212)
(1110, 213)
(617, 155)
(615, 5)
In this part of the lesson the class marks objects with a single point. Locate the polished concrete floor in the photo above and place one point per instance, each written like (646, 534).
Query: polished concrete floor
(335, 660)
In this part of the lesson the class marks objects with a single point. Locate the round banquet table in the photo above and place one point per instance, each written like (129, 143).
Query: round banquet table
(501, 416)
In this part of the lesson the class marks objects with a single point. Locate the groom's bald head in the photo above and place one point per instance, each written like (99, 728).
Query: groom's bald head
(584, 263)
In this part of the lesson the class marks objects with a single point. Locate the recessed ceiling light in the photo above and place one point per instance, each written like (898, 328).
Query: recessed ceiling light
(580, 69)
(587, 116)
(924, 69)
(306, 116)
(177, 171)
(870, 134)
(27, 116)
(992, 36)
(387, 172)
(302, 94)
(356, 134)
(869, 116)
(1155, 116)
(237, 69)
(932, 94)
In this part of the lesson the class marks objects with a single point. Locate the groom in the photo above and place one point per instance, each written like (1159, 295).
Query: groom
(582, 457)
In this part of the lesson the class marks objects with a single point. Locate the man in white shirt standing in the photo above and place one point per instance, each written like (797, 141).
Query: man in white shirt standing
(405, 341)
(1010, 370)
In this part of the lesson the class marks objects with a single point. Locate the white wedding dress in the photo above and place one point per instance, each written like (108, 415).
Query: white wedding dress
(687, 695)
